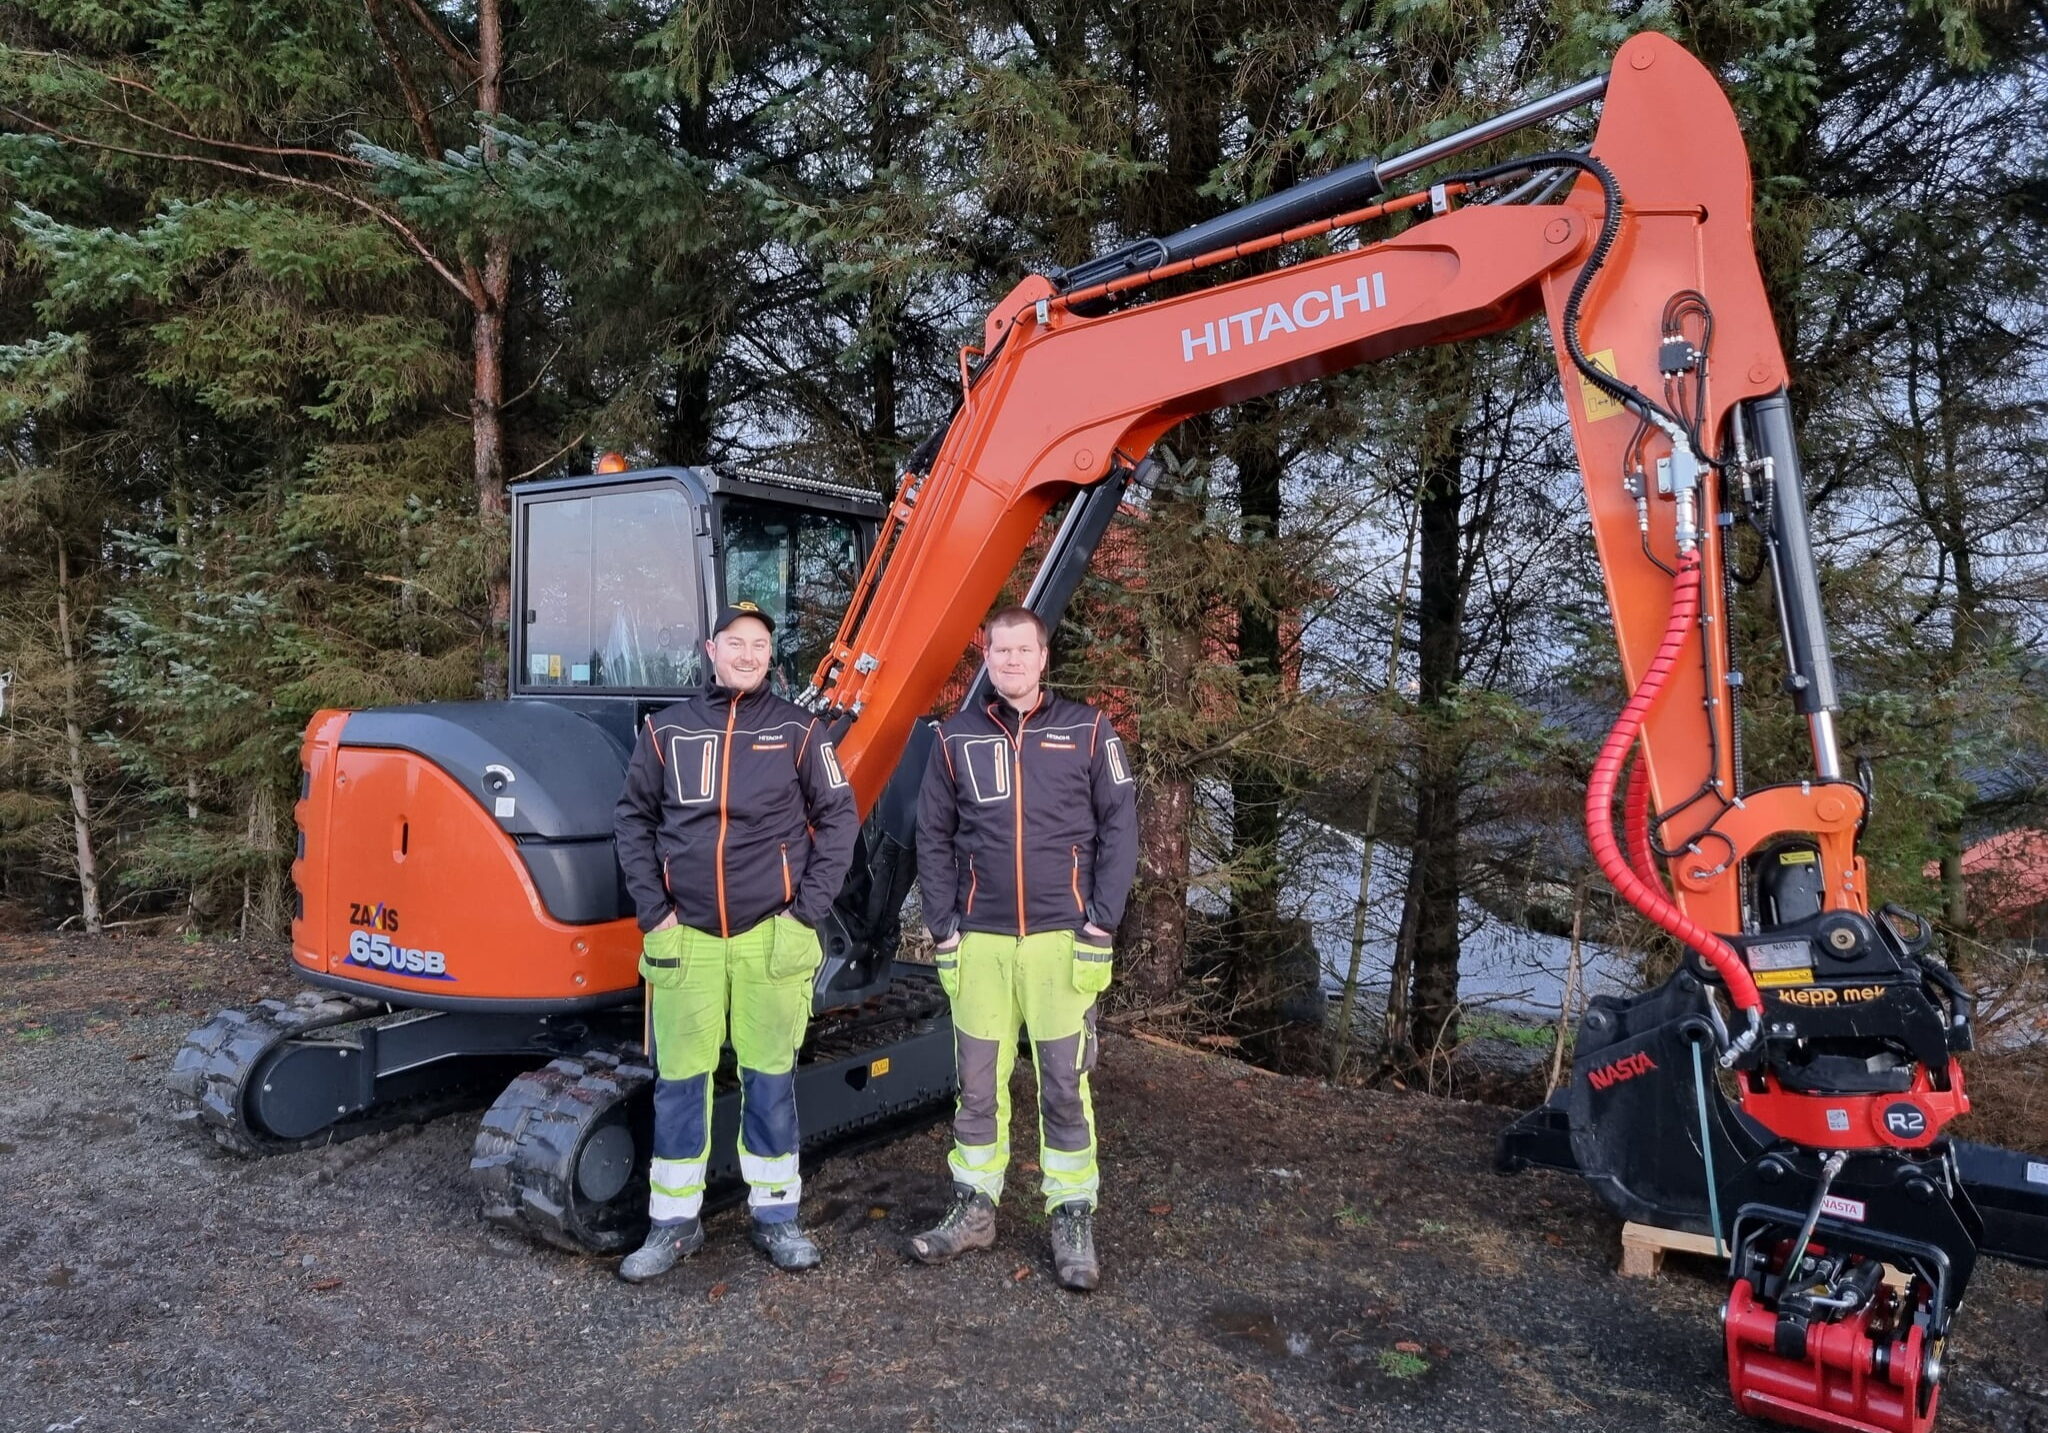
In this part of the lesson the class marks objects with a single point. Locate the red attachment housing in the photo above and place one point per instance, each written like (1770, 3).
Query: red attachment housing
(1838, 1386)
(1860, 1121)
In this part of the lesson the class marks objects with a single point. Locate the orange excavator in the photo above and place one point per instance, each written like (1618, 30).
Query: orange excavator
(460, 911)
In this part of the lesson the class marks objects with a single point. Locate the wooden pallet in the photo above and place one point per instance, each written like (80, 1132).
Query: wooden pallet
(1643, 1247)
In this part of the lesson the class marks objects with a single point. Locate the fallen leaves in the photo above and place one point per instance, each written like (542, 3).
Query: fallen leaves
(717, 1292)
(321, 1286)
(1019, 1274)
(1162, 1210)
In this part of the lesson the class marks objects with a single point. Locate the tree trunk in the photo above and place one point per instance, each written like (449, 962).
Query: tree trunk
(1431, 909)
(491, 286)
(74, 755)
(1265, 958)
(1154, 935)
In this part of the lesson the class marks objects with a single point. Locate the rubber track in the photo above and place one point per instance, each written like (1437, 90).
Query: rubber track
(210, 1074)
(526, 1150)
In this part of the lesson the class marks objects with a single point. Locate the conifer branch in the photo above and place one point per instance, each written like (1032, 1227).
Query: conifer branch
(275, 150)
(382, 215)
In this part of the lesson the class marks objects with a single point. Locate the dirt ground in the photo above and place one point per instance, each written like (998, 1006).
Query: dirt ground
(1277, 1256)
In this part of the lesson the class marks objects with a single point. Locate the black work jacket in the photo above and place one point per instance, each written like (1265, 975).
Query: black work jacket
(734, 809)
(1027, 826)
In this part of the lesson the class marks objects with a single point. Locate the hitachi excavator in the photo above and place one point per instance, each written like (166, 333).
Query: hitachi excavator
(460, 910)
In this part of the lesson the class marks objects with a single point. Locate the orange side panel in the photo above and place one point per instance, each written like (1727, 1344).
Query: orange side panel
(408, 883)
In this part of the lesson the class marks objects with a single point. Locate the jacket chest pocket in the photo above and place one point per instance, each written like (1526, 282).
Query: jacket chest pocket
(989, 776)
(693, 761)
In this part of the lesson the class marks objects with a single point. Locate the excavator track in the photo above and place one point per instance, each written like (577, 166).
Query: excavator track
(326, 1067)
(212, 1073)
(562, 1155)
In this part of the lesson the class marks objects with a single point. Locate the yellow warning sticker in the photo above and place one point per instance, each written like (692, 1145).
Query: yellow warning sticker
(1597, 403)
(1784, 977)
(555, 665)
(878, 1068)
(1797, 858)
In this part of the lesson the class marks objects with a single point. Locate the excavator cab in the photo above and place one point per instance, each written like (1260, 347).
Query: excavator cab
(615, 577)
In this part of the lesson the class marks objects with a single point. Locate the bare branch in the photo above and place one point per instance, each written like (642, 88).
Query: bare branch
(422, 116)
(457, 54)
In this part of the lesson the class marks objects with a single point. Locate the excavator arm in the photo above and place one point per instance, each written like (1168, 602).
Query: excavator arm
(1639, 254)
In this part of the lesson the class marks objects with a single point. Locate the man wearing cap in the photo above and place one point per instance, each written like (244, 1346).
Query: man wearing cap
(735, 831)
(1026, 849)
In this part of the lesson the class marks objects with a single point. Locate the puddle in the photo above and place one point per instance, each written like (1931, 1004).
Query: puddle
(60, 1277)
(1352, 1351)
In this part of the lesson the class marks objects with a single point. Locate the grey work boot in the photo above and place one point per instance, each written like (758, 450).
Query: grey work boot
(787, 1247)
(1073, 1246)
(665, 1244)
(970, 1223)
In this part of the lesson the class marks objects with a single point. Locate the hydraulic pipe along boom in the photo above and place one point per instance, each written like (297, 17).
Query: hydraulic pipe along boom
(1340, 190)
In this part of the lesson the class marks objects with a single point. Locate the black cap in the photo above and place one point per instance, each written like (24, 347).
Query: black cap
(729, 615)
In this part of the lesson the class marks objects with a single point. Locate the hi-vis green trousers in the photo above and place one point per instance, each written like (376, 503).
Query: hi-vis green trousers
(1047, 984)
(759, 982)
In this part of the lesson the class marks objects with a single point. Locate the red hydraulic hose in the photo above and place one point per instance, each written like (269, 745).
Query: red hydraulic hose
(1635, 826)
(1643, 895)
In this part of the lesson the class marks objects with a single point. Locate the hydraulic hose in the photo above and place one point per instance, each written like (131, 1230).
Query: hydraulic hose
(1636, 822)
(1607, 853)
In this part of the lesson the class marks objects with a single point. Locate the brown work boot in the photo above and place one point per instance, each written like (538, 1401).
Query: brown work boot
(969, 1224)
(1073, 1246)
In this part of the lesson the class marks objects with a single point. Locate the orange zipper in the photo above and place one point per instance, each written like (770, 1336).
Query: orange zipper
(1079, 904)
(972, 882)
(732, 713)
(1017, 777)
(788, 890)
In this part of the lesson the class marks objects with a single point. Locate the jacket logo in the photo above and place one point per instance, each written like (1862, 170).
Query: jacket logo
(1056, 743)
(769, 746)
(1312, 309)
(1626, 1068)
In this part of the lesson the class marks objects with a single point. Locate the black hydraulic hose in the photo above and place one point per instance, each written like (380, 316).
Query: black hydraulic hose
(1629, 396)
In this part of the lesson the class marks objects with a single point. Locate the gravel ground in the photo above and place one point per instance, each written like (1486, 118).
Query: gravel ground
(1277, 1256)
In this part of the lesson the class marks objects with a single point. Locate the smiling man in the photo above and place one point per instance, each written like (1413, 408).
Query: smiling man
(735, 831)
(1026, 849)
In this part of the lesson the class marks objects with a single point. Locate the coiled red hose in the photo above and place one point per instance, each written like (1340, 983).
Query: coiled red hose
(1635, 825)
(1646, 896)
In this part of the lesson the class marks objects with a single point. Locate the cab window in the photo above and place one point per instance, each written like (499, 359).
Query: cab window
(611, 597)
(797, 566)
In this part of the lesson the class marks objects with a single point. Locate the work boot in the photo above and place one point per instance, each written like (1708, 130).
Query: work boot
(1073, 1246)
(969, 1224)
(666, 1243)
(788, 1248)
